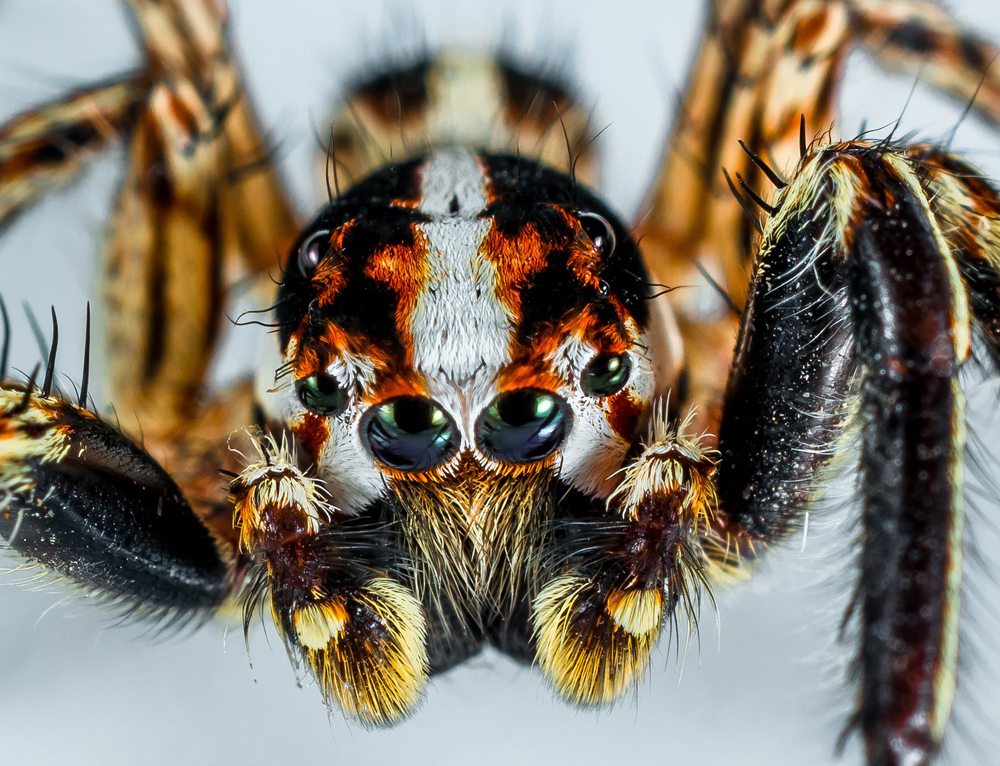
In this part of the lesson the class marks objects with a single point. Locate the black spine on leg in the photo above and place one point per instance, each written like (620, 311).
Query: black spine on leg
(82, 499)
(786, 387)
(908, 340)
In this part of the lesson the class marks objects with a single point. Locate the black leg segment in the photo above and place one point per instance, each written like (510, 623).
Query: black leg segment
(79, 497)
(858, 314)
(784, 401)
(912, 336)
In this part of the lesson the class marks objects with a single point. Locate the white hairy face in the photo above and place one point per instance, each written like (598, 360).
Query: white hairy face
(461, 282)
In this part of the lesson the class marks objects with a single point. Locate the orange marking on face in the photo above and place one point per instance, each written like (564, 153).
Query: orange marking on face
(407, 203)
(584, 259)
(403, 270)
(397, 382)
(305, 359)
(312, 432)
(589, 327)
(330, 272)
(528, 373)
(315, 357)
(532, 368)
(623, 414)
(517, 259)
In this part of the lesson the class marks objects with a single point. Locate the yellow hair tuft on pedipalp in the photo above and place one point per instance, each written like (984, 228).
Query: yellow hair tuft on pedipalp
(637, 611)
(588, 656)
(375, 665)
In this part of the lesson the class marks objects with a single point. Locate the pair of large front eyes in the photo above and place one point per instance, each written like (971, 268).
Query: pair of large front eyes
(413, 433)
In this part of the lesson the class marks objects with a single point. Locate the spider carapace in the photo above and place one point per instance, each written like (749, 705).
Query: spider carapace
(460, 432)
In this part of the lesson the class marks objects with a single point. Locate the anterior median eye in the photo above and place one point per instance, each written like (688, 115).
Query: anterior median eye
(322, 394)
(606, 374)
(522, 426)
(410, 433)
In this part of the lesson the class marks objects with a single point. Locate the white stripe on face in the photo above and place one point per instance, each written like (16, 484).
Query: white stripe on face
(459, 328)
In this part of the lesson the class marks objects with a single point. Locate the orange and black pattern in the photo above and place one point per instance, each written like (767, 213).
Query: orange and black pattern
(484, 417)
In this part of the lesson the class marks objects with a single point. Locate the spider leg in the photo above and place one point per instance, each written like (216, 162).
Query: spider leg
(968, 209)
(859, 318)
(186, 45)
(200, 209)
(765, 73)
(920, 37)
(46, 148)
(187, 222)
(81, 498)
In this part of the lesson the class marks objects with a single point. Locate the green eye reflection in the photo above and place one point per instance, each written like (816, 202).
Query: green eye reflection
(409, 433)
(523, 425)
(606, 374)
(322, 394)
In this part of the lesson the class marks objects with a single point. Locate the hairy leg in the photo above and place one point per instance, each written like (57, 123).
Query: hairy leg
(859, 319)
(767, 74)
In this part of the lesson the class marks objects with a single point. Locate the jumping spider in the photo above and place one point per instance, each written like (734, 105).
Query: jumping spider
(461, 434)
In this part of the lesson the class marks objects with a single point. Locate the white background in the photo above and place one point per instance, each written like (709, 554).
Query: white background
(766, 689)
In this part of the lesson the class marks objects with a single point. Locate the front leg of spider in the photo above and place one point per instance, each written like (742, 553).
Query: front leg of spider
(859, 316)
(81, 498)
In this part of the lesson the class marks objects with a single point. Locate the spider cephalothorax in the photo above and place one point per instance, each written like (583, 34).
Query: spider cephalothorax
(463, 339)
(459, 435)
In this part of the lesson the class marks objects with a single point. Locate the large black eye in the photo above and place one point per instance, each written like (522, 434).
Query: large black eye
(322, 394)
(313, 250)
(409, 433)
(606, 374)
(522, 426)
(600, 231)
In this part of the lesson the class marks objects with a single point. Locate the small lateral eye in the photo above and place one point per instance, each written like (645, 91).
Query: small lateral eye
(312, 251)
(322, 394)
(606, 374)
(600, 231)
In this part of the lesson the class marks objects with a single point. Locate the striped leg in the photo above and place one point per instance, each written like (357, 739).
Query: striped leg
(919, 37)
(858, 312)
(201, 206)
(765, 70)
(46, 148)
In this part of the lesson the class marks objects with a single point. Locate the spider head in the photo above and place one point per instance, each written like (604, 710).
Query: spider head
(463, 312)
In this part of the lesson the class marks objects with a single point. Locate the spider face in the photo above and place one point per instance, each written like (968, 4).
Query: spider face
(463, 311)
(461, 436)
